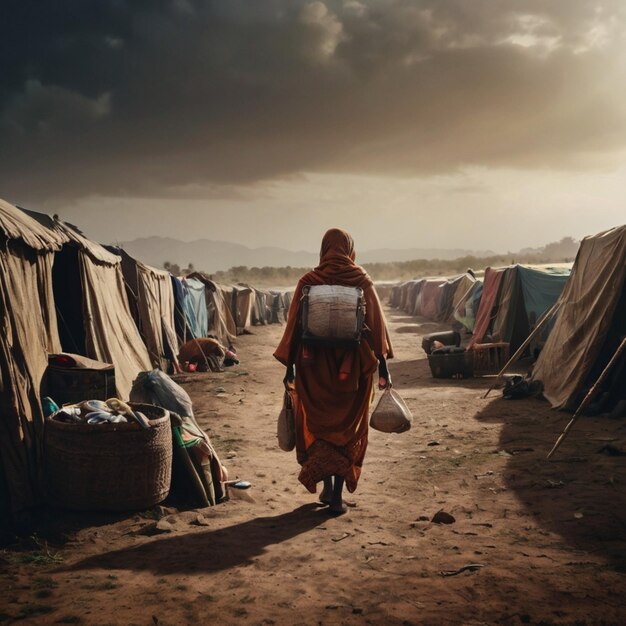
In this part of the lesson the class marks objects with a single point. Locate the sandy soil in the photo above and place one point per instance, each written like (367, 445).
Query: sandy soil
(549, 536)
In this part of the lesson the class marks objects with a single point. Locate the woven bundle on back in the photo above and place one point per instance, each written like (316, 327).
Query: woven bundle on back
(333, 312)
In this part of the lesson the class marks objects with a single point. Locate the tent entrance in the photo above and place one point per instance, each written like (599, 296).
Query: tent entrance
(68, 297)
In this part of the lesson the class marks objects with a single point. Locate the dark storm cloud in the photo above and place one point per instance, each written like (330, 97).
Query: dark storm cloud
(139, 98)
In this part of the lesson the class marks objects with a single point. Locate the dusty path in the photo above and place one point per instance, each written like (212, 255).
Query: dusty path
(549, 536)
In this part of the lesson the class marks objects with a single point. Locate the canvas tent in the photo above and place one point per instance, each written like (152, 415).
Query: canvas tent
(90, 296)
(513, 299)
(466, 308)
(429, 299)
(221, 323)
(262, 308)
(243, 303)
(590, 323)
(452, 290)
(29, 333)
(195, 308)
(151, 300)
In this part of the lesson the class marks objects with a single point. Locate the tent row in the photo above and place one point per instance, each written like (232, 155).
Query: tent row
(503, 307)
(433, 298)
(585, 325)
(61, 292)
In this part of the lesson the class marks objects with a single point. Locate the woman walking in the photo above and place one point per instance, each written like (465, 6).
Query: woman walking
(333, 384)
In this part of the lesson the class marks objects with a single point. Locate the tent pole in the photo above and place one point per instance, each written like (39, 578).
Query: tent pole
(546, 316)
(590, 394)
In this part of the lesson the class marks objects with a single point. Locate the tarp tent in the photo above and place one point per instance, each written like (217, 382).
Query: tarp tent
(288, 296)
(590, 323)
(195, 307)
(220, 318)
(429, 298)
(244, 302)
(262, 309)
(452, 290)
(278, 307)
(151, 300)
(92, 304)
(413, 300)
(466, 308)
(513, 299)
(29, 332)
(394, 296)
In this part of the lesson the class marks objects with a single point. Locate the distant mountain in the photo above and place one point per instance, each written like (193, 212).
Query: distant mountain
(211, 256)
(387, 255)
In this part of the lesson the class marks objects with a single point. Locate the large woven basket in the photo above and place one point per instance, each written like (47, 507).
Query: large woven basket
(109, 467)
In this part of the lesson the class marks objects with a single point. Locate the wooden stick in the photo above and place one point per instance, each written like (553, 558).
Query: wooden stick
(545, 317)
(590, 394)
(462, 299)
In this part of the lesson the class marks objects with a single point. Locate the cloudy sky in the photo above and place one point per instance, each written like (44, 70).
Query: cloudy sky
(437, 123)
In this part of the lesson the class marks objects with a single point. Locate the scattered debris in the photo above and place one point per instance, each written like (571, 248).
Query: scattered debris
(441, 517)
(553, 484)
(472, 567)
(341, 537)
(514, 451)
(488, 473)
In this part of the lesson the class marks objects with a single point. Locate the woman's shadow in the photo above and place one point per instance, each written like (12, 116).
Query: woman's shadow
(210, 551)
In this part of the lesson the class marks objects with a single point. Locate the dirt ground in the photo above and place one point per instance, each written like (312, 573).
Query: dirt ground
(547, 537)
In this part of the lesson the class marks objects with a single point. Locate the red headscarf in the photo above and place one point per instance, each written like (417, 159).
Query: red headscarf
(337, 265)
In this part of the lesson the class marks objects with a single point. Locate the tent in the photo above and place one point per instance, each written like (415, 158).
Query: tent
(221, 323)
(195, 308)
(590, 323)
(429, 298)
(29, 333)
(513, 299)
(262, 308)
(277, 307)
(466, 308)
(92, 304)
(452, 290)
(151, 300)
(243, 305)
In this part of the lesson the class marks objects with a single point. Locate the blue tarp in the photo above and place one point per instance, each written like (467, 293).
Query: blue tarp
(194, 305)
(541, 289)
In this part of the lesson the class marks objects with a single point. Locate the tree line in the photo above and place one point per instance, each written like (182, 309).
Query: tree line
(563, 251)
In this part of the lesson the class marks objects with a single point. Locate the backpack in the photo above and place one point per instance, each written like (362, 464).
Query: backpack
(332, 313)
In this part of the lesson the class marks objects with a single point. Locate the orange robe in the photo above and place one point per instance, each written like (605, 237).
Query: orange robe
(332, 413)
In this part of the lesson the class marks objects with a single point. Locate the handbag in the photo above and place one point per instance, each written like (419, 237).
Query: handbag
(286, 426)
(391, 414)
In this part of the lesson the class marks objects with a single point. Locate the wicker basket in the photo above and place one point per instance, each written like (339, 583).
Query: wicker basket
(109, 467)
(458, 364)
